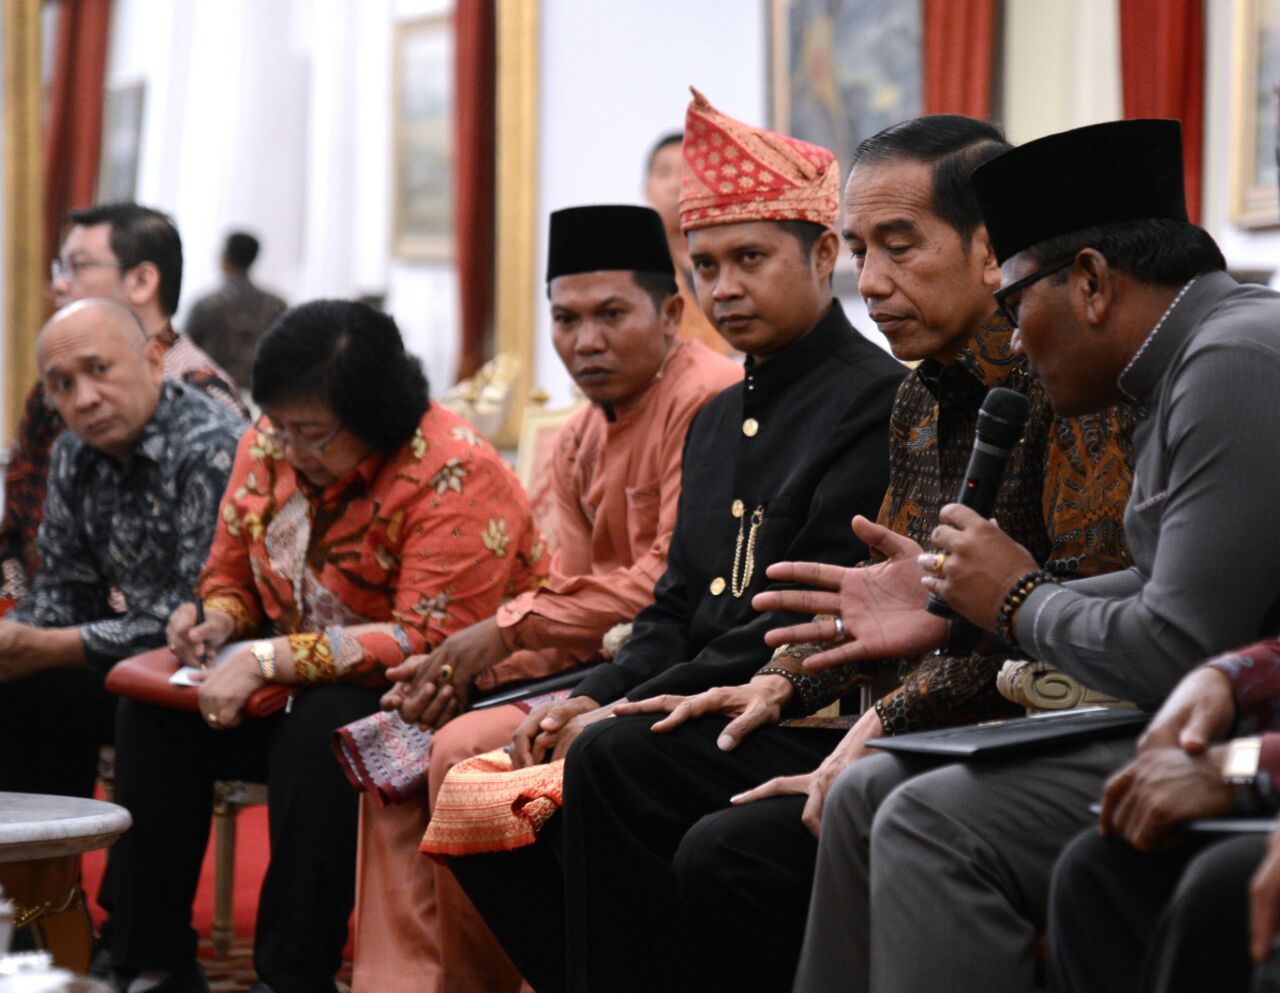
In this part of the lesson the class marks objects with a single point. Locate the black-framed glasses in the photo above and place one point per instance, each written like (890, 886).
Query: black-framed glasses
(306, 446)
(70, 269)
(1010, 311)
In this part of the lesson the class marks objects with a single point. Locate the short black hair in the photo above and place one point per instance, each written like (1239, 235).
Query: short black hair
(661, 286)
(1161, 251)
(955, 146)
(349, 357)
(671, 138)
(805, 232)
(141, 234)
(241, 249)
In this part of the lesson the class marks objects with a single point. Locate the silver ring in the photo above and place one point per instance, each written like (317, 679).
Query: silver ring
(839, 628)
(212, 720)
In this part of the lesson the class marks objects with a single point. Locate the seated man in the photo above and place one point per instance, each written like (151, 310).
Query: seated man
(1176, 912)
(658, 830)
(132, 255)
(927, 870)
(133, 498)
(615, 478)
(770, 466)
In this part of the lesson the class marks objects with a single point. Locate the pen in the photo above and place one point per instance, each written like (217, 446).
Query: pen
(199, 622)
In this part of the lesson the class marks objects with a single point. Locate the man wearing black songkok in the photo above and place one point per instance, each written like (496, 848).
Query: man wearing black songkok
(937, 877)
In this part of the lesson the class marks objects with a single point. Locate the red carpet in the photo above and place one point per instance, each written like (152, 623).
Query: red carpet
(252, 852)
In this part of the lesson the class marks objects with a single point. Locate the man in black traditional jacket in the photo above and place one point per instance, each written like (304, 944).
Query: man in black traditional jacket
(773, 469)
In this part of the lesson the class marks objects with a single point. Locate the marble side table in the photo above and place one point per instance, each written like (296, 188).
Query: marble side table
(41, 841)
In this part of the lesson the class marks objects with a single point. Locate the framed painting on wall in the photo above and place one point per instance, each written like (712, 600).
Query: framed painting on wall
(841, 70)
(422, 221)
(1255, 142)
(121, 139)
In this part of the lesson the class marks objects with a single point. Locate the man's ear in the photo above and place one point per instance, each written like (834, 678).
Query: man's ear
(153, 354)
(825, 252)
(142, 284)
(1093, 286)
(980, 244)
(672, 312)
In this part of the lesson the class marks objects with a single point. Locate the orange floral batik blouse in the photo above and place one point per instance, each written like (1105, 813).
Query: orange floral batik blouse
(385, 563)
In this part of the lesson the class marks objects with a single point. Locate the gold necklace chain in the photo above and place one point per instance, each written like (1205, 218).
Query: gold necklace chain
(756, 517)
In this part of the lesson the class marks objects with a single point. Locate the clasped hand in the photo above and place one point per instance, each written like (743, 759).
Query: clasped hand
(433, 689)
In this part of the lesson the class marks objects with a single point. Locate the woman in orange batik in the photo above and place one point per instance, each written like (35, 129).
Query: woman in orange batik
(362, 524)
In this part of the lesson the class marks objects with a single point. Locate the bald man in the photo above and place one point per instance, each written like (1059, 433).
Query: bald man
(134, 487)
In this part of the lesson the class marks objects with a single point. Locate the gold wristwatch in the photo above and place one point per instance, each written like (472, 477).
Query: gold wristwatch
(265, 652)
(1240, 764)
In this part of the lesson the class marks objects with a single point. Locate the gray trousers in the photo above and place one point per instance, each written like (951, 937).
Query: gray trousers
(936, 877)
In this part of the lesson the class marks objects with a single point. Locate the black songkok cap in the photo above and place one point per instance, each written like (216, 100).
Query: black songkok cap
(1101, 174)
(597, 239)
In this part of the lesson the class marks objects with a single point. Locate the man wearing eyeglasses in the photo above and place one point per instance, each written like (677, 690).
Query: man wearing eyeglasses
(133, 255)
(134, 485)
(927, 872)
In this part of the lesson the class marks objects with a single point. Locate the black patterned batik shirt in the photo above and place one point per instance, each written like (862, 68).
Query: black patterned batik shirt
(143, 527)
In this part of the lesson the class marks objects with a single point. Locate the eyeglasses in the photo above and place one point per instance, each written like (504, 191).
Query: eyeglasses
(1010, 311)
(304, 446)
(70, 271)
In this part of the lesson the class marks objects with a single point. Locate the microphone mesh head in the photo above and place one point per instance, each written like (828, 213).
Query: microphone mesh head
(1002, 417)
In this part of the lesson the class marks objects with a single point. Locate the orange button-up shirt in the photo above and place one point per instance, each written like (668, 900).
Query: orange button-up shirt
(385, 563)
(616, 485)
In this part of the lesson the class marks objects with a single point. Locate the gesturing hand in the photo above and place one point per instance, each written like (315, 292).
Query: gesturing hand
(881, 605)
(754, 705)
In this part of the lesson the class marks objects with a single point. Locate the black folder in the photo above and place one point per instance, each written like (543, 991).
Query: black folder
(1015, 734)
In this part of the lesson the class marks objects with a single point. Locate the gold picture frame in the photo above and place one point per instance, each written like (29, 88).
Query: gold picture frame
(1254, 202)
(25, 270)
(516, 252)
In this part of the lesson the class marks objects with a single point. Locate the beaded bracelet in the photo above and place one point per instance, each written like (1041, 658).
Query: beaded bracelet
(1013, 600)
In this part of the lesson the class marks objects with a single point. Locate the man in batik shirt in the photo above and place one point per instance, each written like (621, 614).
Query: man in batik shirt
(134, 486)
(133, 255)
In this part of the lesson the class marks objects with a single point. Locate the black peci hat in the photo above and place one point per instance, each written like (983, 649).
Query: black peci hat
(594, 239)
(1101, 174)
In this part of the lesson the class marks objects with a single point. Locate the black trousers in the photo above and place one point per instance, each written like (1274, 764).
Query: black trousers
(166, 764)
(652, 880)
(1177, 921)
(51, 727)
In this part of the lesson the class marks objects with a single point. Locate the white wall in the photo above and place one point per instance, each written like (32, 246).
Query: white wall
(615, 76)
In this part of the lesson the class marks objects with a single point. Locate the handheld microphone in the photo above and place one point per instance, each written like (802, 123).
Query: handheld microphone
(1000, 423)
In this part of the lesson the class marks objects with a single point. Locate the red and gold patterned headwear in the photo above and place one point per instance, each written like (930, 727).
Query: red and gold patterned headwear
(735, 173)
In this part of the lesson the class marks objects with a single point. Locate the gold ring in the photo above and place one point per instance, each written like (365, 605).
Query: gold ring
(213, 720)
(939, 563)
(445, 674)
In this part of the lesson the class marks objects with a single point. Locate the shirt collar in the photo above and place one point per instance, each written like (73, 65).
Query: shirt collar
(1140, 378)
(986, 360)
(617, 414)
(798, 358)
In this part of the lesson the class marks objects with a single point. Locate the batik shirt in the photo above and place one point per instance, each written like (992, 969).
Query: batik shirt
(39, 427)
(142, 527)
(387, 562)
(1062, 497)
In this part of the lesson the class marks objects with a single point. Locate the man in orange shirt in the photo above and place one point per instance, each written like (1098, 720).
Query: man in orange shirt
(615, 476)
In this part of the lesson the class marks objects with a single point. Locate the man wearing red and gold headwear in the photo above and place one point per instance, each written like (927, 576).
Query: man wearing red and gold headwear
(774, 464)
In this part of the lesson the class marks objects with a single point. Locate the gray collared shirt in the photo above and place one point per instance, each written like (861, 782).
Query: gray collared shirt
(143, 527)
(1202, 520)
